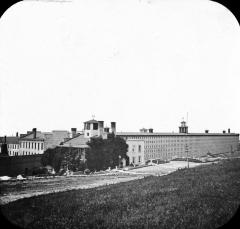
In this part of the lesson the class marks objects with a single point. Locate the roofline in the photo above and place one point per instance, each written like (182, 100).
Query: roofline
(32, 139)
(77, 135)
(174, 134)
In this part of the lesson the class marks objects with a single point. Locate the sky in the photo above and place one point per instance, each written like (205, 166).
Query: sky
(140, 63)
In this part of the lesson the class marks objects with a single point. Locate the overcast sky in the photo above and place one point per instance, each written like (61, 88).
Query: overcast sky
(140, 63)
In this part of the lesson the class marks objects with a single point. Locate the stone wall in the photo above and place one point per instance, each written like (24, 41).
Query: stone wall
(15, 165)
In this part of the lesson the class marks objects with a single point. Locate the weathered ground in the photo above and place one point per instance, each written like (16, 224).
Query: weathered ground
(201, 197)
(14, 190)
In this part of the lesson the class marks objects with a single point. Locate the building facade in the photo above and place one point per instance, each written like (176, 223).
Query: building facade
(167, 146)
(12, 144)
(36, 142)
(135, 151)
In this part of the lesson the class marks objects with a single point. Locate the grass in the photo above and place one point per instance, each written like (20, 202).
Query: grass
(203, 197)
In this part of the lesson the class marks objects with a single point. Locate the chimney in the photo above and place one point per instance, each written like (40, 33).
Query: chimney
(34, 130)
(150, 130)
(74, 132)
(224, 132)
(229, 130)
(100, 127)
(17, 134)
(206, 131)
(113, 127)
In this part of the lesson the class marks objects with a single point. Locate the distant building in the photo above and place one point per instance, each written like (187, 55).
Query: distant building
(167, 146)
(135, 151)
(36, 142)
(77, 142)
(92, 128)
(12, 143)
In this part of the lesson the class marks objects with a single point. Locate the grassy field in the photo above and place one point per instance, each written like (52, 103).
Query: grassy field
(202, 197)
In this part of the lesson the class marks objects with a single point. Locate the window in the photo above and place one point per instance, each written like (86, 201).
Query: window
(32, 145)
(139, 148)
(41, 146)
(139, 158)
(88, 126)
(38, 146)
(35, 145)
(133, 160)
(95, 126)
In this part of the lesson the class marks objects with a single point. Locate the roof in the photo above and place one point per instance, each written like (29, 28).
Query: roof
(10, 140)
(68, 139)
(76, 141)
(91, 121)
(39, 136)
(173, 134)
(31, 139)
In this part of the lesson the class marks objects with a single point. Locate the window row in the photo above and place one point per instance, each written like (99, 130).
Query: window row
(13, 146)
(32, 145)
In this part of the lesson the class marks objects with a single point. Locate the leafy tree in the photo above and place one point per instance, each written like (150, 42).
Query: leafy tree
(63, 157)
(94, 154)
(53, 157)
(104, 153)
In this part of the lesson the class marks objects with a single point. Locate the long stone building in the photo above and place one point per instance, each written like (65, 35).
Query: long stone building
(142, 146)
(146, 144)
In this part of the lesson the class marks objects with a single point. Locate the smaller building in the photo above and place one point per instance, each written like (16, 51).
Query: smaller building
(12, 143)
(135, 151)
(77, 142)
(36, 142)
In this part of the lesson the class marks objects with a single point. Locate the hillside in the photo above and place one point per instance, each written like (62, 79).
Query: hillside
(201, 197)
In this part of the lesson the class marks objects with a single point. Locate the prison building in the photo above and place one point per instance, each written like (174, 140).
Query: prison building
(147, 144)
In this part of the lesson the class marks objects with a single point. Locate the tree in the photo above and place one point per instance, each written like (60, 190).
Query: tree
(53, 157)
(104, 153)
(95, 160)
(63, 157)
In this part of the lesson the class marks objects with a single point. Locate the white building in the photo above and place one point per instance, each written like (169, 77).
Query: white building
(135, 151)
(36, 142)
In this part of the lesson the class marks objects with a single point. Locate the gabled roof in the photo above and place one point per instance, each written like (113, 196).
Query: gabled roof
(29, 136)
(76, 141)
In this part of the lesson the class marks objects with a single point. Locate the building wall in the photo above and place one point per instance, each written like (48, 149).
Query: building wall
(13, 166)
(167, 147)
(135, 151)
(13, 149)
(31, 147)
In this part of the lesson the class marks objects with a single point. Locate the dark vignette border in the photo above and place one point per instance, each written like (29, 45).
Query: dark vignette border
(231, 5)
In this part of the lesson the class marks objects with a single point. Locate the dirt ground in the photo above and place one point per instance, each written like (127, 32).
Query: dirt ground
(14, 190)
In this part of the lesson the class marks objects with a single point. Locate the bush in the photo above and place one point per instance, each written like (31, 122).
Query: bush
(87, 171)
(40, 171)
